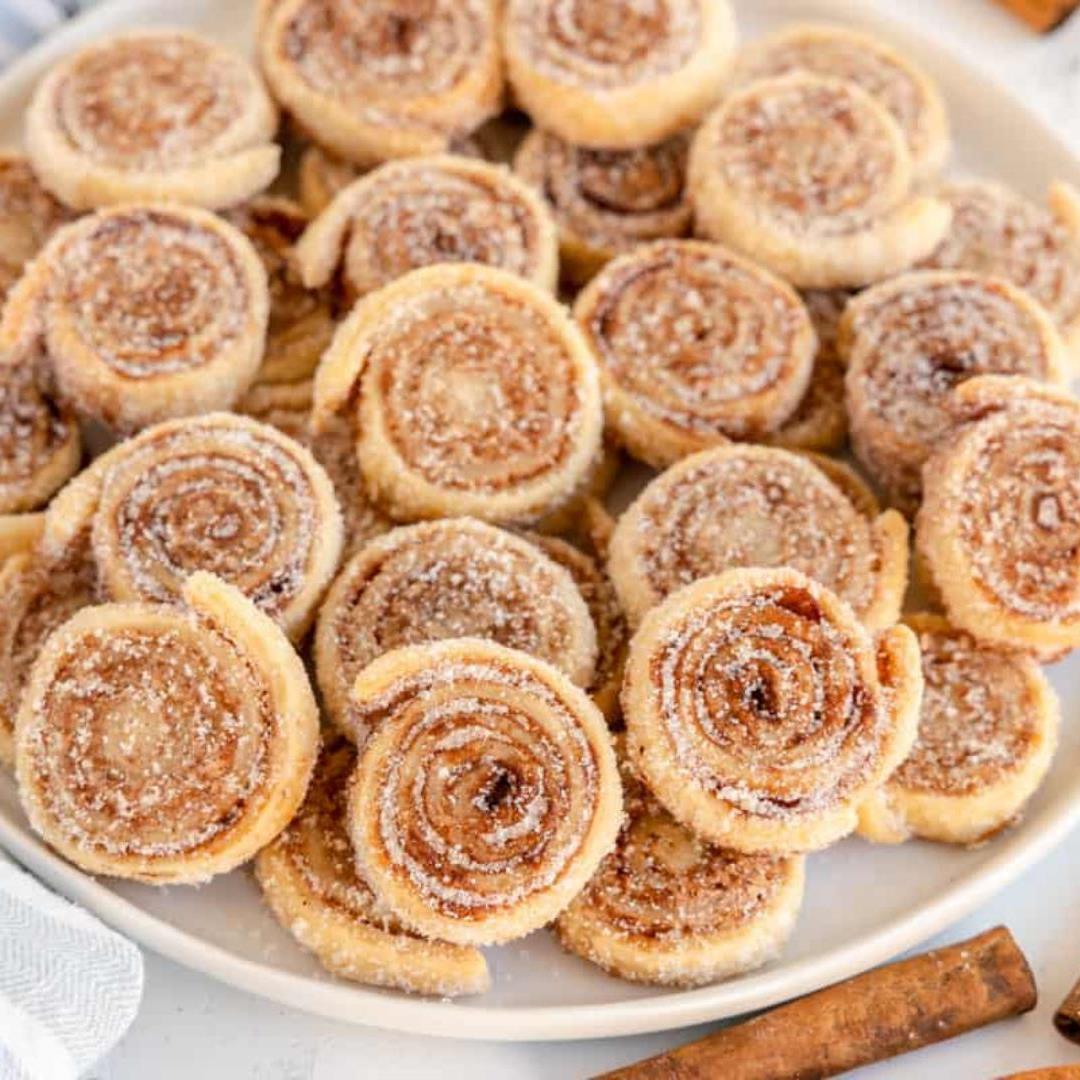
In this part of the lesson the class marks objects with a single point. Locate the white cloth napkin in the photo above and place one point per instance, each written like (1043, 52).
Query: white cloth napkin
(69, 986)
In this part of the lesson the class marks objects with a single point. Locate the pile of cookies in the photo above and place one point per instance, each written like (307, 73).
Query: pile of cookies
(339, 593)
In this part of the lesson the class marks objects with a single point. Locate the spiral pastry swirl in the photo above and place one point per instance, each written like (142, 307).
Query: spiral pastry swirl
(145, 313)
(153, 114)
(223, 494)
(389, 79)
(607, 202)
(909, 341)
(999, 528)
(40, 446)
(308, 877)
(907, 92)
(487, 795)
(996, 231)
(447, 579)
(165, 744)
(745, 506)
(39, 590)
(287, 407)
(668, 908)
(301, 322)
(442, 209)
(812, 178)
(761, 713)
(987, 733)
(28, 217)
(621, 75)
(474, 395)
(694, 345)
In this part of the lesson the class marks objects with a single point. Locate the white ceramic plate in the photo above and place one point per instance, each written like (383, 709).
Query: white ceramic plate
(863, 904)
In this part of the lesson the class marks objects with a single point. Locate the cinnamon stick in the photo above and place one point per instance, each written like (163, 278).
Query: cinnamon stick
(1067, 1018)
(877, 1015)
(1054, 1072)
(1041, 15)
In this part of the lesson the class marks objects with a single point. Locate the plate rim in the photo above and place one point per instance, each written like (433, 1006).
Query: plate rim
(362, 1005)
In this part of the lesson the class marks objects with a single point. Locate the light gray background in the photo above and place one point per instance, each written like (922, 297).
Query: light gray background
(193, 1027)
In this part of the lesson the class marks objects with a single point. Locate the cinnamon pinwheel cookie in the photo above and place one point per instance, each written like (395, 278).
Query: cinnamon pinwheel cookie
(309, 879)
(762, 713)
(999, 527)
(152, 115)
(909, 341)
(28, 217)
(165, 744)
(487, 794)
(695, 345)
(987, 733)
(745, 506)
(447, 579)
(996, 231)
(144, 313)
(373, 81)
(617, 75)
(301, 321)
(221, 493)
(287, 406)
(472, 393)
(607, 202)
(668, 908)
(906, 91)
(442, 209)
(812, 178)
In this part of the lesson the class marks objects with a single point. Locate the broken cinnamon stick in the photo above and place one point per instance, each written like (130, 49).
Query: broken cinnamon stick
(874, 1016)
(1067, 1018)
(1041, 15)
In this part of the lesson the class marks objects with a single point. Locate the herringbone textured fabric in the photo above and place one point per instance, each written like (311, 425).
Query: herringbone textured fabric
(69, 986)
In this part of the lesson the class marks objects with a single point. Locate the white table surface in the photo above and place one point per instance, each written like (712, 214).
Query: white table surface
(191, 1026)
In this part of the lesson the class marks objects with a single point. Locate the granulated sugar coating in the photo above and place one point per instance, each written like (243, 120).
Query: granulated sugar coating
(434, 210)
(448, 579)
(979, 716)
(1002, 513)
(152, 102)
(488, 793)
(743, 506)
(760, 712)
(909, 342)
(813, 155)
(385, 53)
(698, 341)
(996, 231)
(150, 293)
(219, 494)
(832, 52)
(668, 907)
(572, 41)
(470, 391)
(148, 741)
(610, 200)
